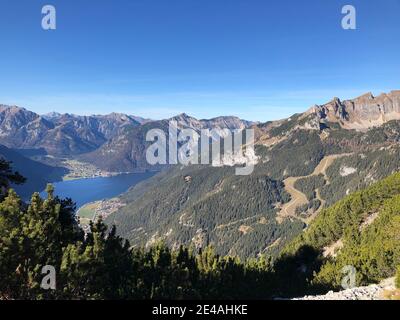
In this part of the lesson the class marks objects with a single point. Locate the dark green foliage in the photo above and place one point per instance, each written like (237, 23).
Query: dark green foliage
(296, 156)
(309, 185)
(8, 177)
(367, 223)
(286, 126)
(103, 266)
(294, 272)
(310, 207)
(184, 274)
(98, 267)
(30, 238)
(208, 210)
(369, 166)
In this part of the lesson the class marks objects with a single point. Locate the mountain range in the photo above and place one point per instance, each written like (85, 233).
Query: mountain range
(305, 163)
(126, 152)
(60, 135)
(114, 142)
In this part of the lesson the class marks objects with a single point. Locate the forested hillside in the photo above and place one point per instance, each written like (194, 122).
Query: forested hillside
(257, 214)
(362, 231)
(305, 165)
(104, 266)
(101, 265)
(207, 209)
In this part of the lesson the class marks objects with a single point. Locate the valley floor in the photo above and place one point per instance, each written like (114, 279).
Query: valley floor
(77, 169)
(92, 211)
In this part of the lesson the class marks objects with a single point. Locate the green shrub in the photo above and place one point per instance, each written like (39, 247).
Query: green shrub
(398, 278)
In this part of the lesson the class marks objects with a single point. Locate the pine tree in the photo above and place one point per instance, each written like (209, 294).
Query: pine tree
(8, 177)
(11, 241)
(99, 267)
(32, 237)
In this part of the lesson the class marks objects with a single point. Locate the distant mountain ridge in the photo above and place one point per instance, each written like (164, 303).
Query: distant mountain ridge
(94, 138)
(126, 151)
(59, 134)
(54, 116)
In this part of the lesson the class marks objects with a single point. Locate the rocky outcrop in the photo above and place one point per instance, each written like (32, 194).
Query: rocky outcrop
(360, 113)
(372, 292)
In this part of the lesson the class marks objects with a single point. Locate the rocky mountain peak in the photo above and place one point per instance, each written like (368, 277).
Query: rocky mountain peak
(52, 115)
(361, 113)
(13, 117)
(58, 134)
(365, 97)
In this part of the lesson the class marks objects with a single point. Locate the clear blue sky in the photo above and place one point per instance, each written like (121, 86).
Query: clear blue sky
(256, 59)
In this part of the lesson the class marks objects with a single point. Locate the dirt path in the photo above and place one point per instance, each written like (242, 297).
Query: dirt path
(221, 226)
(297, 197)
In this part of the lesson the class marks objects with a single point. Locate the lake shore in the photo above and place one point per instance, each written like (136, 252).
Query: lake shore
(92, 189)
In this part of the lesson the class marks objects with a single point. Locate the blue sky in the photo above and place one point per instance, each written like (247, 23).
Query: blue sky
(257, 59)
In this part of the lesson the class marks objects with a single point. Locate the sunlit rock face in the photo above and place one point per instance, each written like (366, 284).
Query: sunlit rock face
(361, 113)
